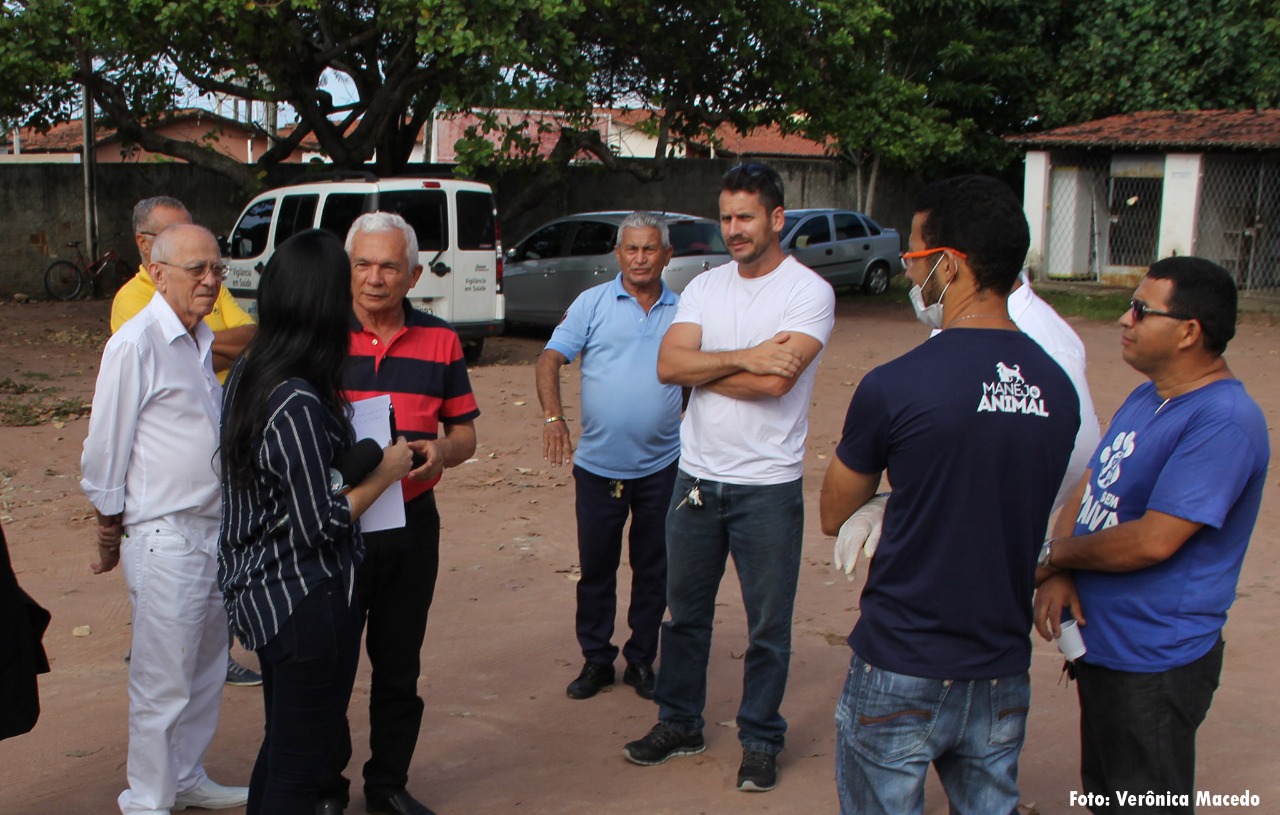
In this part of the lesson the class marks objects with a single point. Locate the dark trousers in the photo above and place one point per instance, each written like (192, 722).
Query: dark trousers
(1138, 730)
(308, 669)
(601, 518)
(396, 582)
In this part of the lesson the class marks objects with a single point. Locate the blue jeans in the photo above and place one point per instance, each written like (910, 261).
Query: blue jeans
(761, 527)
(890, 727)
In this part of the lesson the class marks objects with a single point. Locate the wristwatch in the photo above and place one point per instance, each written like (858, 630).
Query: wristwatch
(337, 483)
(1046, 555)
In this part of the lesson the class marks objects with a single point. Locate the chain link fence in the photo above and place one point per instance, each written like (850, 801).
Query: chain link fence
(1077, 216)
(1239, 222)
(1104, 216)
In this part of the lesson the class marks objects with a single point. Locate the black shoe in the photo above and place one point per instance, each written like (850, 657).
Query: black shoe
(397, 803)
(330, 806)
(664, 742)
(641, 678)
(594, 676)
(758, 771)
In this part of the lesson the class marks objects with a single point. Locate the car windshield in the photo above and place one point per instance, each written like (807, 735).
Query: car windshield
(696, 238)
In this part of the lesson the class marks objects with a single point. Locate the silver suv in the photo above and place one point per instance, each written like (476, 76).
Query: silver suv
(559, 260)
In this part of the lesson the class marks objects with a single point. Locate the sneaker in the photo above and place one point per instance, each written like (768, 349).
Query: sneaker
(662, 743)
(758, 771)
(240, 676)
(211, 795)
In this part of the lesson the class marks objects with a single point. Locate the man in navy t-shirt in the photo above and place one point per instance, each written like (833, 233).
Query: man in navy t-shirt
(1154, 538)
(974, 429)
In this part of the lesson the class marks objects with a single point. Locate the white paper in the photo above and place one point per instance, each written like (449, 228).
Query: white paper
(371, 419)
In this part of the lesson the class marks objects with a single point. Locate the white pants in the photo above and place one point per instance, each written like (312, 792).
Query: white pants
(178, 666)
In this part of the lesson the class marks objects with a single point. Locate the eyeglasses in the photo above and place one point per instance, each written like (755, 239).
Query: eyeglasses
(1141, 311)
(198, 271)
(905, 256)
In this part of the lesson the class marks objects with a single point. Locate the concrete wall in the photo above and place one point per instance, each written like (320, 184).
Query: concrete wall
(42, 205)
(693, 186)
(42, 209)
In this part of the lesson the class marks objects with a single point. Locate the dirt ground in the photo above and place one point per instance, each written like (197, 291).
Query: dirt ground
(499, 734)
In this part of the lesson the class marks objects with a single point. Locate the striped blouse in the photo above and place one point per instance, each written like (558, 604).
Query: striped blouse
(285, 534)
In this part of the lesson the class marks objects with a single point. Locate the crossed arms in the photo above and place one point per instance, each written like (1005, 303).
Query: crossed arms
(764, 371)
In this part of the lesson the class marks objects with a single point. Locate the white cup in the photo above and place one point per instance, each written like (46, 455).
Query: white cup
(1070, 643)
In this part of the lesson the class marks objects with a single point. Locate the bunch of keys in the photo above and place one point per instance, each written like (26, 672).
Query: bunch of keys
(693, 498)
(615, 489)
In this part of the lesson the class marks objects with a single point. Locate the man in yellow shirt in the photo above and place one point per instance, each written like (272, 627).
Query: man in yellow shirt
(232, 326)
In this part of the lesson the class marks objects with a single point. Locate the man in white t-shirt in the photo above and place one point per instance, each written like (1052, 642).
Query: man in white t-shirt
(746, 338)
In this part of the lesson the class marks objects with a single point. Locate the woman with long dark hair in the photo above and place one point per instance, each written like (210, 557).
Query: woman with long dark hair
(289, 545)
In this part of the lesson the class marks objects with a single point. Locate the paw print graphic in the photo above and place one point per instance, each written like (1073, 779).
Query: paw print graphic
(1111, 456)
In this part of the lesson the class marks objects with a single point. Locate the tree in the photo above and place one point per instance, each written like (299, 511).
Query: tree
(694, 65)
(1121, 56)
(932, 84)
(403, 57)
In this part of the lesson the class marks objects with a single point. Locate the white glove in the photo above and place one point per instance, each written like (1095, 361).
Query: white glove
(862, 530)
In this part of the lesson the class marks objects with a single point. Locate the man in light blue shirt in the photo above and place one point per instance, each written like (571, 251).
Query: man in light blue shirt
(625, 463)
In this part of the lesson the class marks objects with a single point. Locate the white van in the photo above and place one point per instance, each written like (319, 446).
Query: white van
(458, 241)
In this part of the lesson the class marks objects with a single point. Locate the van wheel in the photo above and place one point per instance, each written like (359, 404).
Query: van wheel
(471, 350)
(877, 279)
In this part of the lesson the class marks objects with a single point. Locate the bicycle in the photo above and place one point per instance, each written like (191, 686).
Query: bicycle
(64, 279)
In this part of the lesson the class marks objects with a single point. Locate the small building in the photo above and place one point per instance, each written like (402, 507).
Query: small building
(1107, 198)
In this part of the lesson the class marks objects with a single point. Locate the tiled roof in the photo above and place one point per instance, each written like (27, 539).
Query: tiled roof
(766, 141)
(67, 137)
(61, 138)
(759, 141)
(1238, 129)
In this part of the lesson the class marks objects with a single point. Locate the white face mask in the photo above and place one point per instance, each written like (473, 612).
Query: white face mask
(931, 315)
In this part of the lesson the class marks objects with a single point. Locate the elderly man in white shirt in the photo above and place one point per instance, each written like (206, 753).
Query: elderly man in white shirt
(149, 469)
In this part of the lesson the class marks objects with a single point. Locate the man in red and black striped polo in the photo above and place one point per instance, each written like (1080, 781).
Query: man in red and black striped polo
(417, 359)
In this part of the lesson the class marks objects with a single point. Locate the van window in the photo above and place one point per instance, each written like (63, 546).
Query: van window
(593, 238)
(249, 239)
(426, 211)
(340, 211)
(475, 220)
(297, 213)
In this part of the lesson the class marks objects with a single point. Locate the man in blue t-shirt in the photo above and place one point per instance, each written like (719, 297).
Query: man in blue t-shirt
(625, 463)
(974, 428)
(1152, 546)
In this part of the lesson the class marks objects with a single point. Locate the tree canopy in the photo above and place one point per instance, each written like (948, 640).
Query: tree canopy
(910, 83)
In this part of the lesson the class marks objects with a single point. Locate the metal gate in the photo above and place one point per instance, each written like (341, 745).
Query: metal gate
(1239, 218)
(1077, 214)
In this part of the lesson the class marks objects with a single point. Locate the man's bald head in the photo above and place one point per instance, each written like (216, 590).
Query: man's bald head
(187, 269)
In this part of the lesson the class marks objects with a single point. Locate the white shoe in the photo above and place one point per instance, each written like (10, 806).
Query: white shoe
(212, 795)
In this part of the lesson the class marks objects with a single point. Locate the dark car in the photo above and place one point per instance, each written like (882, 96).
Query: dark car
(847, 248)
(559, 260)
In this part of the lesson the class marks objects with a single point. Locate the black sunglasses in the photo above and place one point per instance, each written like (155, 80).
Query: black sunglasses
(1141, 311)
